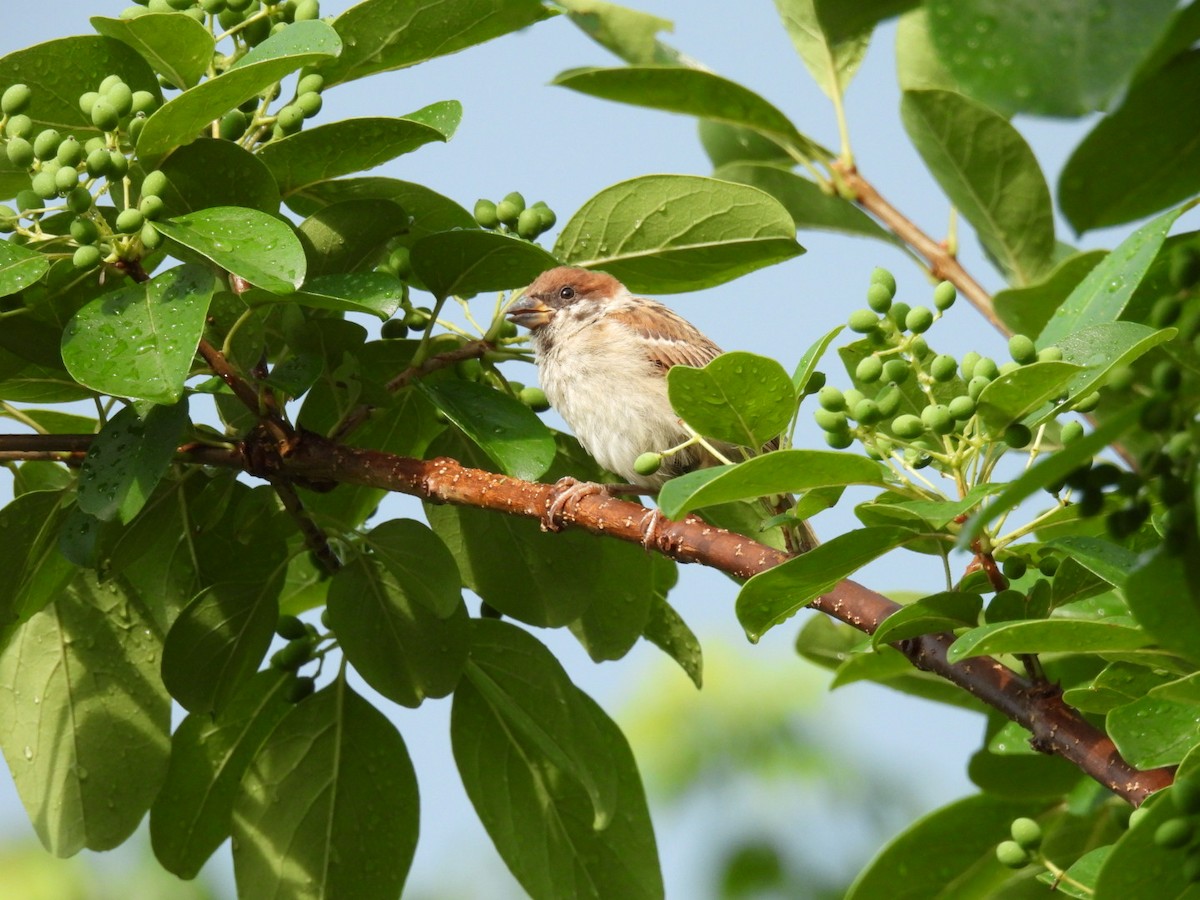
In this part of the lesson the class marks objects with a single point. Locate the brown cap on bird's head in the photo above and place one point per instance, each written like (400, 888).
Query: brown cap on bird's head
(556, 288)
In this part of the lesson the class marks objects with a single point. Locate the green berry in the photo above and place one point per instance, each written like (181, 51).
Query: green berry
(647, 463)
(829, 420)
(70, 152)
(831, 398)
(306, 10)
(393, 329)
(1184, 268)
(84, 231)
(44, 185)
(879, 298)
(104, 116)
(1014, 567)
(987, 368)
(961, 407)
(867, 412)
(8, 219)
(27, 200)
(838, 440)
(109, 82)
(45, 145)
(151, 207)
(120, 98)
(888, 400)
(290, 118)
(15, 99)
(898, 314)
(937, 418)
(1050, 354)
(256, 31)
(98, 163)
(1185, 794)
(19, 127)
(863, 321)
(1156, 415)
(310, 103)
(919, 319)
(1137, 815)
(535, 399)
(529, 224)
(130, 220)
(293, 654)
(1166, 376)
(1174, 833)
(546, 216)
(150, 236)
(86, 257)
(65, 179)
(1021, 349)
(976, 385)
(1017, 435)
(896, 371)
(301, 688)
(1027, 833)
(1165, 311)
(417, 317)
(485, 214)
(86, 101)
(154, 184)
(884, 277)
(400, 261)
(233, 125)
(869, 369)
(143, 102)
(1071, 432)
(311, 83)
(944, 295)
(1009, 367)
(1088, 402)
(1012, 855)
(815, 382)
(20, 152)
(1048, 565)
(967, 366)
(510, 208)
(907, 426)
(291, 628)
(943, 367)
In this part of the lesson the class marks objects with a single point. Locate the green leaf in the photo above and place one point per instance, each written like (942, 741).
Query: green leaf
(329, 808)
(1155, 730)
(351, 145)
(1013, 396)
(674, 233)
(938, 612)
(430, 211)
(1026, 310)
(777, 594)
(727, 144)
(989, 172)
(382, 35)
(667, 630)
(808, 205)
(469, 261)
(1050, 58)
(245, 242)
(507, 430)
(86, 716)
(841, 20)
(1124, 874)
(1047, 636)
(629, 33)
(19, 267)
(693, 92)
(1117, 684)
(192, 813)
(415, 555)
(918, 66)
(375, 293)
(349, 235)
(397, 644)
(127, 459)
(608, 630)
(1099, 188)
(178, 47)
(939, 848)
(1162, 593)
(812, 356)
(191, 187)
(32, 570)
(183, 119)
(831, 59)
(1102, 295)
(1050, 469)
(739, 397)
(778, 472)
(138, 341)
(549, 774)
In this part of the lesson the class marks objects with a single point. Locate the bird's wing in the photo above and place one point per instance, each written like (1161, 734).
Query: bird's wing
(671, 340)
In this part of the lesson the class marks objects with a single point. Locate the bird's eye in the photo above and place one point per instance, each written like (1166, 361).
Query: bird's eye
(567, 293)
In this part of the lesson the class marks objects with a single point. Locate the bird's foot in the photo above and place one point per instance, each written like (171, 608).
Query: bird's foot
(567, 491)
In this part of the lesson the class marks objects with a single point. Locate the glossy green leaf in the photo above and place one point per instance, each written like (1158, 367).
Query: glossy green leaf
(381, 35)
(674, 233)
(941, 847)
(250, 244)
(507, 430)
(1098, 187)
(1051, 58)
(1022, 776)
(609, 629)
(19, 267)
(812, 357)
(840, 20)
(739, 397)
(32, 570)
(937, 514)
(182, 119)
(349, 235)
(989, 172)
(415, 555)
(1013, 396)
(126, 460)
(1026, 310)
(938, 612)
(1102, 295)
(779, 472)
(469, 261)
(84, 710)
(777, 594)
(1154, 730)
(809, 206)
(430, 211)
(1118, 684)
(667, 630)
(1136, 853)
(191, 187)
(726, 144)
(191, 816)
(918, 66)
(1047, 636)
(138, 341)
(178, 47)
(329, 807)
(347, 146)
(1161, 593)
(375, 293)
(629, 33)
(397, 644)
(549, 774)
(831, 59)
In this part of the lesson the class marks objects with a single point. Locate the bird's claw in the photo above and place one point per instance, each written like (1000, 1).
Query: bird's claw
(652, 521)
(567, 491)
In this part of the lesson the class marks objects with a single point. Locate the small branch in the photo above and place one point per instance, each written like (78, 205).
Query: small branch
(942, 263)
(314, 538)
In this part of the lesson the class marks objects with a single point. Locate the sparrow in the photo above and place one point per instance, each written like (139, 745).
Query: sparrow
(602, 356)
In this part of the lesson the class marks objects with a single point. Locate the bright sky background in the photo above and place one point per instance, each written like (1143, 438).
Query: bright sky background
(520, 134)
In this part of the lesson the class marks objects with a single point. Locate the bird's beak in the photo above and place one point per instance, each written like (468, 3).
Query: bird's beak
(530, 312)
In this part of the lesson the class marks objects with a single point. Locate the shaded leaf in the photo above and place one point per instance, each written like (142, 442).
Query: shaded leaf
(831, 58)
(1013, 396)
(430, 211)
(1161, 592)
(349, 235)
(1026, 310)
(178, 47)
(1046, 636)
(469, 261)
(375, 293)
(190, 186)
(629, 33)
(667, 630)
(739, 397)
(938, 612)
(19, 267)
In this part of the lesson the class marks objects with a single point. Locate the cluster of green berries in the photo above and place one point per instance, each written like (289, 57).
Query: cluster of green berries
(1180, 832)
(64, 172)
(1023, 848)
(251, 21)
(878, 411)
(301, 648)
(290, 118)
(512, 215)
